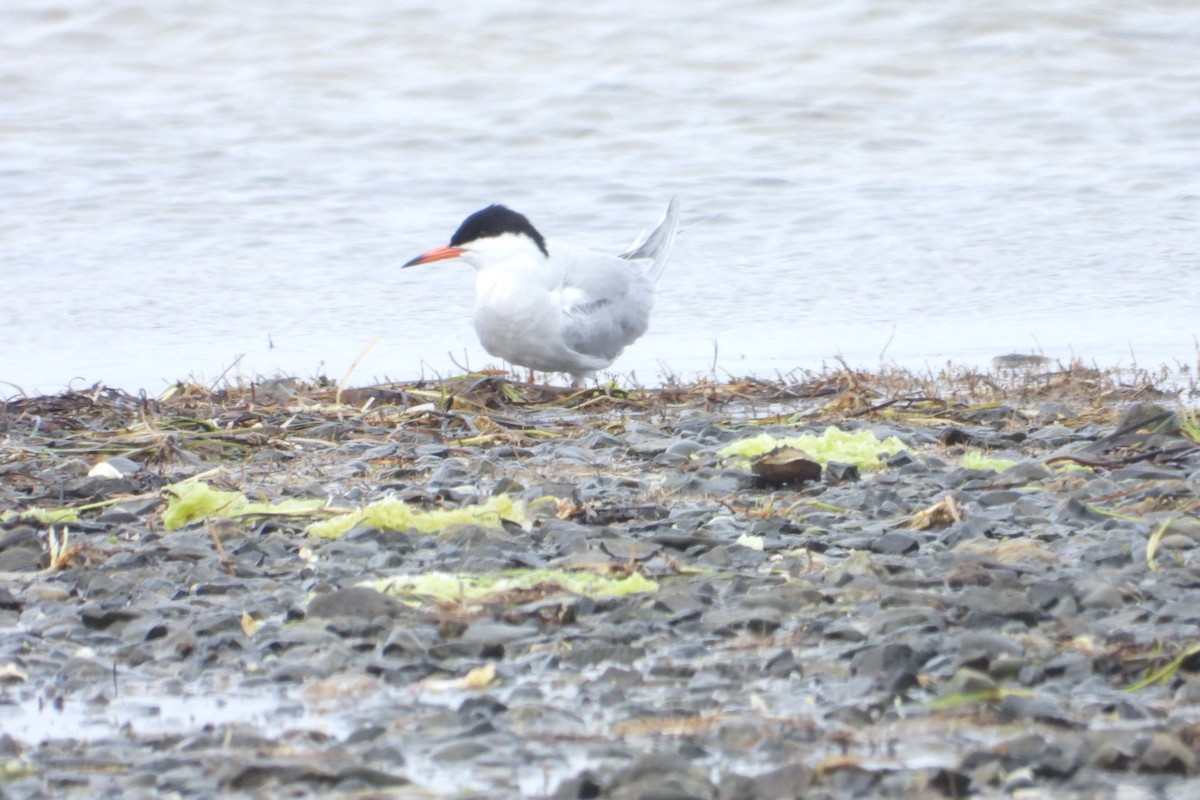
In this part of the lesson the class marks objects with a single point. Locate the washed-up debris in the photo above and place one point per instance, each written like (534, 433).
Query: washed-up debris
(480, 589)
(785, 464)
(944, 512)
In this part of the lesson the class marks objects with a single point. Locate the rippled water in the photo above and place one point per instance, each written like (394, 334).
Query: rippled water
(186, 183)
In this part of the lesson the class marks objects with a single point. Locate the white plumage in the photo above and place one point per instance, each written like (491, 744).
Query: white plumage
(553, 307)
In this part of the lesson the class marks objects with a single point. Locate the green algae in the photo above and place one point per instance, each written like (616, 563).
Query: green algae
(193, 500)
(46, 516)
(974, 459)
(861, 448)
(396, 515)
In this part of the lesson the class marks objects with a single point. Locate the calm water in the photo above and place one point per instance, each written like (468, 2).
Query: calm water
(182, 184)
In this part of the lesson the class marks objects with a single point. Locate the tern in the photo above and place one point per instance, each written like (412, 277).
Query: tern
(552, 307)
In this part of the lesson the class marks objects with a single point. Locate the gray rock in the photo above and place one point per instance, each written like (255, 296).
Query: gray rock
(661, 777)
(921, 618)
(1007, 604)
(998, 498)
(1166, 753)
(492, 633)
(356, 601)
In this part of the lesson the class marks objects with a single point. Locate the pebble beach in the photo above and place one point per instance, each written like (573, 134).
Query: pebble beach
(477, 588)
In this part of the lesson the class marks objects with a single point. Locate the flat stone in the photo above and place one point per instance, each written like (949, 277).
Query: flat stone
(356, 601)
(896, 543)
(896, 619)
(999, 498)
(1104, 597)
(1011, 604)
(1026, 472)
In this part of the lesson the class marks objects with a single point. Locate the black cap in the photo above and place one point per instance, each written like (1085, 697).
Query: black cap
(494, 221)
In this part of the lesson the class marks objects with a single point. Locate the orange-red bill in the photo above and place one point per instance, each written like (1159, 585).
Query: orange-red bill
(437, 254)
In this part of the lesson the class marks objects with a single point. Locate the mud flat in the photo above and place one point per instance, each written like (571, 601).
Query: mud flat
(475, 588)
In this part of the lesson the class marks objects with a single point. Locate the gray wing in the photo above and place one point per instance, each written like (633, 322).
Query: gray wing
(606, 301)
(606, 305)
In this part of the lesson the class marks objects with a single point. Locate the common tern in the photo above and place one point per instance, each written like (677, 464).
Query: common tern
(552, 307)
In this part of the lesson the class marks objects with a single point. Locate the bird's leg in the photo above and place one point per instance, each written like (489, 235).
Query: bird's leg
(530, 378)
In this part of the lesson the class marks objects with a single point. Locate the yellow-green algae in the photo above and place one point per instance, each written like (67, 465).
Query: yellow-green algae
(396, 515)
(191, 500)
(46, 516)
(1189, 423)
(457, 587)
(861, 447)
(974, 459)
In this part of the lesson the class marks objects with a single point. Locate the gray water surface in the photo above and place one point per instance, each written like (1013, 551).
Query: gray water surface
(182, 184)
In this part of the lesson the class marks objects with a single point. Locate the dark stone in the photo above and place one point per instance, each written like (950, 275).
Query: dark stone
(8, 602)
(584, 786)
(841, 473)
(951, 783)
(894, 667)
(896, 543)
(100, 618)
(964, 531)
(952, 436)
(783, 665)
(481, 708)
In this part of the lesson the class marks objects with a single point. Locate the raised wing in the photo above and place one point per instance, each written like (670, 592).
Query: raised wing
(656, 248)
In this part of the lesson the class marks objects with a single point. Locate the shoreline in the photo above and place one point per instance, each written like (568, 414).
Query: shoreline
(1166, 372)
(860, 633)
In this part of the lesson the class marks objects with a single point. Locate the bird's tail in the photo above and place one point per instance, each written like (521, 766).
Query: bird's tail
(656, 247)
